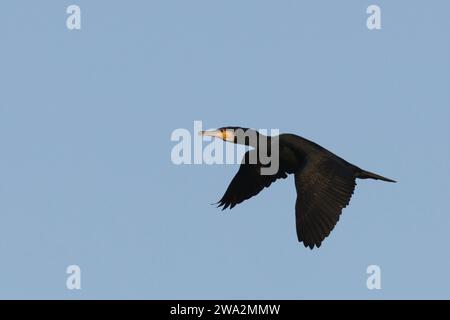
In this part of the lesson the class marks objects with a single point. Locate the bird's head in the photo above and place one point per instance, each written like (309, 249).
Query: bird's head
(229, 134)
(233, 134)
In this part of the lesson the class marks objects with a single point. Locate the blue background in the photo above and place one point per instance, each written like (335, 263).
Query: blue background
(85, 171)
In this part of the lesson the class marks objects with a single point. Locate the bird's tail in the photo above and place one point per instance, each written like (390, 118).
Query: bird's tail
(362, 174)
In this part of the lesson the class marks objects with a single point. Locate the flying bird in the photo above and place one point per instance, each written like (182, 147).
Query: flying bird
(324, 182)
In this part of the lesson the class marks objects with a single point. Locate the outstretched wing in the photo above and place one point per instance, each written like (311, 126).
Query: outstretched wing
(248, 181)
(324, 188)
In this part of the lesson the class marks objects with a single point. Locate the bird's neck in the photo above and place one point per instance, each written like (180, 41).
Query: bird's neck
(253, 139)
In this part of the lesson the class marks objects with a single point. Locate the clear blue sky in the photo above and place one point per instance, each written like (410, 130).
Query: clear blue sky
(85, 124)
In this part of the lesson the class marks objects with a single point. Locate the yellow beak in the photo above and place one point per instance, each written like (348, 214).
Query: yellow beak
(212, 133)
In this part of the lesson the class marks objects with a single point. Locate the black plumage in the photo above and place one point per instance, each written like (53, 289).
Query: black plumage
(324, 182)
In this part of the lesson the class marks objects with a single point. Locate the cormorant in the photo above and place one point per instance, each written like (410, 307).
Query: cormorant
(324, 182)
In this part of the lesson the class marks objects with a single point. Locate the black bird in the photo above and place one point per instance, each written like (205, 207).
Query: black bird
(324, 182)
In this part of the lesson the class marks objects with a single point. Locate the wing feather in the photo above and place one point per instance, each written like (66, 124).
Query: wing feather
(324, 188)
(248, 182)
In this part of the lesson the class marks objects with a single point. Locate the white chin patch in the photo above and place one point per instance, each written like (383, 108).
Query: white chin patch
(229, 136)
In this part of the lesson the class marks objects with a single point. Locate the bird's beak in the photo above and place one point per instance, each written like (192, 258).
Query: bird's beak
(212, 133)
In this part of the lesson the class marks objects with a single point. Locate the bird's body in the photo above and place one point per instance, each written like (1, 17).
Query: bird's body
(324, 182)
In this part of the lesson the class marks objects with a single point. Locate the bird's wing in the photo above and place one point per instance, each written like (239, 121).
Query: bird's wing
(324, 188)
(247, 182)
